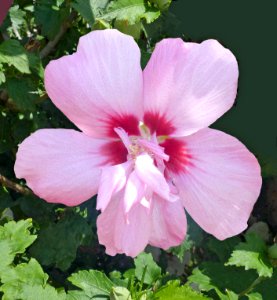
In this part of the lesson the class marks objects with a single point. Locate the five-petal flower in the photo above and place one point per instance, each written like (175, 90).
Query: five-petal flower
(144, 147)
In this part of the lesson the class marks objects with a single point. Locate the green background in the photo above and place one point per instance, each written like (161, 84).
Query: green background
(248, 29)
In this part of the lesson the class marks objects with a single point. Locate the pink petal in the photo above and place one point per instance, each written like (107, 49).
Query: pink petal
(5, 5)
(117, 235)
(134, 191)
(169, 224)
(187, 86)
(100, 86)
(113, 179)
(218, 179)
(60, 165)
(151, 176)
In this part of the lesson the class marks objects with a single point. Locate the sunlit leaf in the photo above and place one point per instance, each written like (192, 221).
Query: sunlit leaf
(252, 254)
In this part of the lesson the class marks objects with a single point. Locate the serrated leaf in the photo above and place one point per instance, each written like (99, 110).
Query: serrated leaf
(49, 16)
(223, 249)
(14, 279)
(30, 272)
(162, 4)
(146, 269)
(6, 256)
(215, 276)
(22, 92)
(180, 251)
(58, 242)
(89, 9)
(14, 54)
(94, 284)
(174, 292)
(17, 17)
(252, 255)
(35, 292)
(18, 235)
(130, 10)
(37, 209)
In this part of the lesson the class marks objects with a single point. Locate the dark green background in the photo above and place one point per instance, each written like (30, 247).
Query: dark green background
(249, 30)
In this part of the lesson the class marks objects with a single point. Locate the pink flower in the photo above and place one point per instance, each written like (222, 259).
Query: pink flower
(144, 146)
(5, 6)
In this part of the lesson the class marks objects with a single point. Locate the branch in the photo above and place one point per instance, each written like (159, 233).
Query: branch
(14, 186)
(52, 44)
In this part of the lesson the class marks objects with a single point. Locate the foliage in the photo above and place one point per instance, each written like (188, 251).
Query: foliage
(49, 251)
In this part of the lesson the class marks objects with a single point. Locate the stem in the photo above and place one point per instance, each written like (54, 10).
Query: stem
(142, 278)
(14, 186)
(251, 287)
(52, 44)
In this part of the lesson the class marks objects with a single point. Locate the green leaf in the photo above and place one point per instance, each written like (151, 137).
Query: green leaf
(17, 17)
(47, 292)
(116, 278)
(146, 269)
(13, 279)
(133, 30)
(94, 284)
(229, 296)
(255, 296)
(58, 242)
(132, 11)
(252, 255)
(215, 276)
(2, 77)
(162, 4)
(272, 251)
(180, 251)
(268, 287)
(6, 256)
(175, 292)
(14, 54)
(120, 293)
(30, 272)
(49, 16)
(37, 209)
(223, 249)
(89, 9)
(22, 92)
(18, 235)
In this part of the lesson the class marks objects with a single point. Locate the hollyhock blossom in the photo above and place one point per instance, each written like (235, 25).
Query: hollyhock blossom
(144, 146)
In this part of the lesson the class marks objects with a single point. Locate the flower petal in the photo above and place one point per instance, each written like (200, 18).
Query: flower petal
(219, 181)
(187, 86)
(134, 191)
(60, 165)
(119, 236)
(169, 224)
(5, 5)
(100, 86)
(151, 176)
(113, 179)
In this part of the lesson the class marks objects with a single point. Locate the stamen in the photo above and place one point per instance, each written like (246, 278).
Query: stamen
(144, 130)
(154, 148)
(137, 145)
(124, 136)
